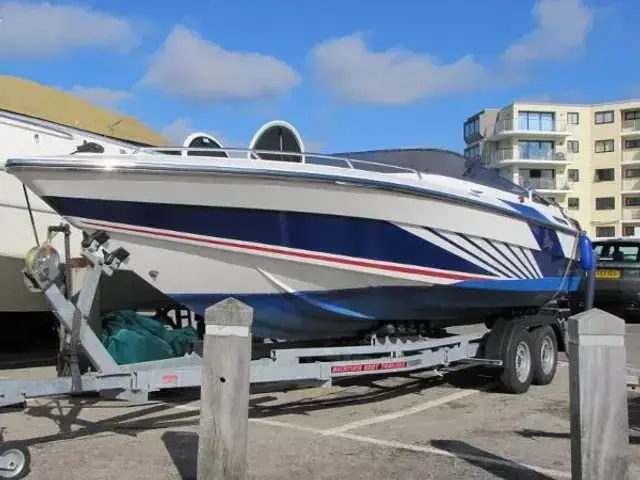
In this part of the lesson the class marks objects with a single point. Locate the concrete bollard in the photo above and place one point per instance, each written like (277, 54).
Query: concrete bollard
(222, 445)
(598, 396)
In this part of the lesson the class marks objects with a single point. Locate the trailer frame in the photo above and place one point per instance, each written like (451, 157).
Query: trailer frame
(288, 362)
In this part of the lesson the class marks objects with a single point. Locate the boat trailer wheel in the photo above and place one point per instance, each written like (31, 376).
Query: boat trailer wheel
(15, 461)
(518, 358)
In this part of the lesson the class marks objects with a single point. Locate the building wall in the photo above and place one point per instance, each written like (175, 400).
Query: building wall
(586, 190)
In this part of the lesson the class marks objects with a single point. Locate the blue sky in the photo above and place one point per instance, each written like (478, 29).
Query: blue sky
(349, 75)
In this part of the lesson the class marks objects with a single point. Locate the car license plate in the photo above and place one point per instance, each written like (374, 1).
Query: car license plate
(607, 273)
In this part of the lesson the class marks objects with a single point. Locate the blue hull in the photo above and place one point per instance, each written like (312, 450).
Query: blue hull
(345, 313)
(474, 292)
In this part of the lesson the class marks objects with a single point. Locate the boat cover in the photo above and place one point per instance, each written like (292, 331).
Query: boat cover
(131, 338)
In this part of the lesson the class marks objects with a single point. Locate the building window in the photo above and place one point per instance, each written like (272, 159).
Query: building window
(632, 202)
(536, 150)
(629, 231)
(573, 118)
(574, 174)
(604, 146)
(605, 203)
(604, 117)
(573, 146)
(471, 127)
(605, 231)
(472, 152)
(573, 203)
(536, 121)
(632, 115)
(604, 175)
(632, 173)
(631, 144)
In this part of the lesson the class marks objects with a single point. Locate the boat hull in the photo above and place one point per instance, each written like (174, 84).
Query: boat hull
(21, 135)
(308, 272)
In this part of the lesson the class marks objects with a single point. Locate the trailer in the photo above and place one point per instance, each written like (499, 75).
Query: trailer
(524, 349)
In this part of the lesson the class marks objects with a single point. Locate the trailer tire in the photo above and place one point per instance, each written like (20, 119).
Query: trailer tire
(545, 355)
(16, 457)
(517, 373)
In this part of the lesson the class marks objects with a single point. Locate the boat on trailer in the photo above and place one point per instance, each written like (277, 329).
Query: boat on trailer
(321, 246)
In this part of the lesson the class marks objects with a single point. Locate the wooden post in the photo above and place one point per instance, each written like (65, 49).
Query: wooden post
(222, 446)
(598, 396)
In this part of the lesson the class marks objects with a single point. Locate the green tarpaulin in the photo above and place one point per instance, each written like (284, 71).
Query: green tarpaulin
(130, 338)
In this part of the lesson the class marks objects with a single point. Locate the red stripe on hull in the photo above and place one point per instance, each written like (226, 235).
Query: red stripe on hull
(278, 251)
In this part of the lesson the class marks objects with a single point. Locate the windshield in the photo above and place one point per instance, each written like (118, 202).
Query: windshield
(617, 252)
(440, 162)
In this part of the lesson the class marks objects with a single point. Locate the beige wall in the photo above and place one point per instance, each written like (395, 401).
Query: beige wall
(586, 161)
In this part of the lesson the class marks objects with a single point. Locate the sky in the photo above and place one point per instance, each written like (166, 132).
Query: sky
(348, 74)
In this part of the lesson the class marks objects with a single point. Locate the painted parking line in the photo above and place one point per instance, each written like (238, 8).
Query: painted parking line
(407, 411)
(403, 446)
(416, 448)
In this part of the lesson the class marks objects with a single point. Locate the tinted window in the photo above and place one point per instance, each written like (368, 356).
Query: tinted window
(617, 252)
(203, 144)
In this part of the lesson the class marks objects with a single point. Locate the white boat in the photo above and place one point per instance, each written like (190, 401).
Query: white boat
(321, 246)
(38, 120)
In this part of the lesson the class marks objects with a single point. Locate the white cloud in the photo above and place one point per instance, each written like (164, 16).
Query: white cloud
(102, 97)
(190, 67)
(562, 28)
(397, 76)
(38, 30)
(391, 77)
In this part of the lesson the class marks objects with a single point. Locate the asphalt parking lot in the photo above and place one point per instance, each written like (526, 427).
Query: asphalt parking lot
(410, 427)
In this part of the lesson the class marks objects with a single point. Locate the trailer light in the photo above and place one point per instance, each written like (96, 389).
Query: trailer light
(43, 263)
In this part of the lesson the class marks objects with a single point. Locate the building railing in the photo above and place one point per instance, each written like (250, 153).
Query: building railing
(631, 213)
(544, 184)
(631, 155)
(631, 126)
(515, 125)
(511, 154)
(630, 184)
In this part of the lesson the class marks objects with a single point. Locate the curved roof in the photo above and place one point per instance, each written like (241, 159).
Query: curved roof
(28, 98)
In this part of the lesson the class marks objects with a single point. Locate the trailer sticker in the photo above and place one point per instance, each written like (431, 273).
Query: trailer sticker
(368, 367)
(170, 379)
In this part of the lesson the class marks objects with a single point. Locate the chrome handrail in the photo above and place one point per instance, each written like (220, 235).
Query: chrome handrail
(248, 156)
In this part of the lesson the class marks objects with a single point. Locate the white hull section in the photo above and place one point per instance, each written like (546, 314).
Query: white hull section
(211, 264)
(20, 137)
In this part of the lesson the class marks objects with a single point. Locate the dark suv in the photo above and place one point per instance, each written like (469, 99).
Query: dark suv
(617, 288)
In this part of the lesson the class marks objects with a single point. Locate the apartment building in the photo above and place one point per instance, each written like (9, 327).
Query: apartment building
(586, 158)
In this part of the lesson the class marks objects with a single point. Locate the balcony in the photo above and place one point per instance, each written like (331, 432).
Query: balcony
(516, 156)
(630, 128)
(630, 186)
(546, 185)
(631, 157)
(631, 214)
(512, 126)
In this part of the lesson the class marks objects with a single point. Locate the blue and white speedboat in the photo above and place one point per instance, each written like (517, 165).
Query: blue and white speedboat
(321, 246)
